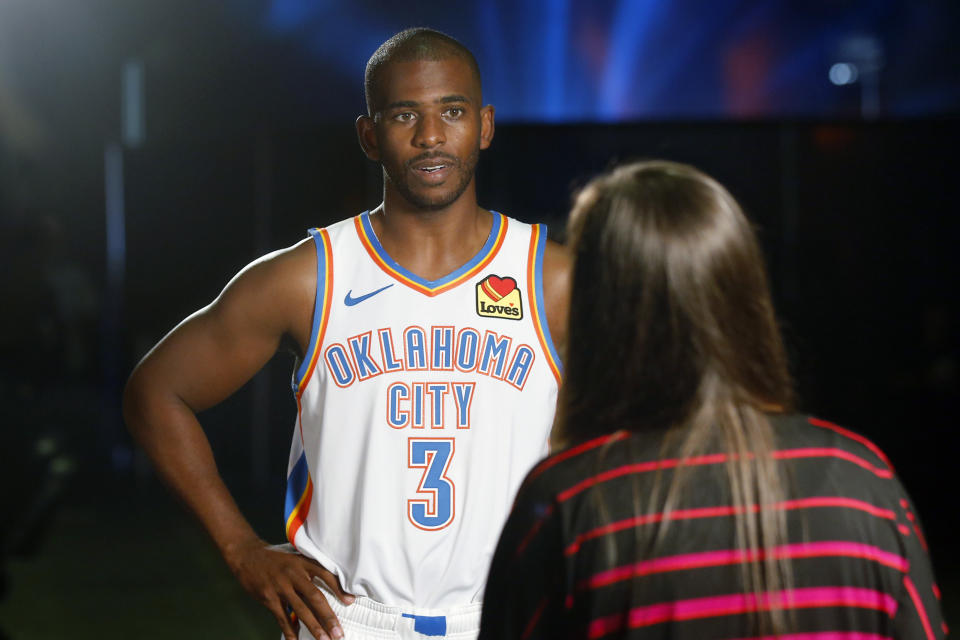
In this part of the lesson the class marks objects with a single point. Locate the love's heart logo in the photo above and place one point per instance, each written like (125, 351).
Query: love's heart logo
(499, 297)
(497, 288)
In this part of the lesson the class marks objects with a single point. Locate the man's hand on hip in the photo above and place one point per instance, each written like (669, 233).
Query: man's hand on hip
(278, 576)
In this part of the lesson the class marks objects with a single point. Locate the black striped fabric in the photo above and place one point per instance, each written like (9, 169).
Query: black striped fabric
(585, 555)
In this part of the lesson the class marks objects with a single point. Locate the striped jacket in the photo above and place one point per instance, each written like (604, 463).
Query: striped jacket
(576, 560)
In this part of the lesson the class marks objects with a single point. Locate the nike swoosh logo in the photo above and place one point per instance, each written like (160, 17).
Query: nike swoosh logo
(350, 301)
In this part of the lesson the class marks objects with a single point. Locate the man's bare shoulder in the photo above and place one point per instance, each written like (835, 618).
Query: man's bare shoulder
(276, 290)
(556, 257)
(294, 264)
(284, 275)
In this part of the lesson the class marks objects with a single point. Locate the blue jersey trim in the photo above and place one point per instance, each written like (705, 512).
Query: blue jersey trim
(317, 309)
(541, 306)
(433, 284)
(296, 485)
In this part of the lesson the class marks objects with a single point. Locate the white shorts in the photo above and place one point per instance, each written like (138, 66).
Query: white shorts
(367, 619)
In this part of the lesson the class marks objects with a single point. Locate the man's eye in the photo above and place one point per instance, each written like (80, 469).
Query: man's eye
(406, 116)
(454, 112)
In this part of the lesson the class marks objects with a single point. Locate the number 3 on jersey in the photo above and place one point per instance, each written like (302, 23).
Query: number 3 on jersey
(433, 455)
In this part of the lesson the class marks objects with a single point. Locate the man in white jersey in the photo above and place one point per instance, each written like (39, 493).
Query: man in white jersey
(426, 380)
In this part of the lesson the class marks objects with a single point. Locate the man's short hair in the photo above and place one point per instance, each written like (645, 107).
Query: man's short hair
(410, 45)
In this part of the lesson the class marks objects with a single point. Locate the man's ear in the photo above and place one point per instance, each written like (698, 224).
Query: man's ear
(486, 126)
(368, 137)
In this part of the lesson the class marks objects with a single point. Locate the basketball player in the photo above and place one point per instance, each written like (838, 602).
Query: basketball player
(426, 380)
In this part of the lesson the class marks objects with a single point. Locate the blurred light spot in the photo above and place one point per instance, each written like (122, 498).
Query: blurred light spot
(132, 103)
(116, 224)
(62, 465)
(843, 73)
(46, 446)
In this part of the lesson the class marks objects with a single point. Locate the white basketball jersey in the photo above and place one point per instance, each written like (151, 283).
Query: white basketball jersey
(422, 405)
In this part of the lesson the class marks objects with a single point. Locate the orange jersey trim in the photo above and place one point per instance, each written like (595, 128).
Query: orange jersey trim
(534, 294)
(324, 309)
(372, 245)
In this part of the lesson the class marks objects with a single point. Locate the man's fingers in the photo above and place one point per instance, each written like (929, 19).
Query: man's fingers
(278, 575)
(314, 612)
(286, 626)
(317, 601)
(332, 583)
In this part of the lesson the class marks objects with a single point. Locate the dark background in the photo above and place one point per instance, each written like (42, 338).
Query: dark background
(248, 140)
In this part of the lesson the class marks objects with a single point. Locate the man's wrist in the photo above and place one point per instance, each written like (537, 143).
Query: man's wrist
(234, 547)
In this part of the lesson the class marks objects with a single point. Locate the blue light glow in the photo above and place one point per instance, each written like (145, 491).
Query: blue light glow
(843, 73)
(620, 60)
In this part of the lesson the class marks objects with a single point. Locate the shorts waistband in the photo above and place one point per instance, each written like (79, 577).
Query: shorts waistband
(372, 617)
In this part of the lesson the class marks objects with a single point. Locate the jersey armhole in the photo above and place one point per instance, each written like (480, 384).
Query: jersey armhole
(321, 310)
(538, 244)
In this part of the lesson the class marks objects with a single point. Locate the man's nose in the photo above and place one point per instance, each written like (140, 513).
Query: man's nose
(429, 132)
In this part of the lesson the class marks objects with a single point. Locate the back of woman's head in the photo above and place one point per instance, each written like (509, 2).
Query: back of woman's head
(672, 328)
(671, 314)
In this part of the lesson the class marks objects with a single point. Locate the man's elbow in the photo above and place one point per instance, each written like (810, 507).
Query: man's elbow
(135, 403)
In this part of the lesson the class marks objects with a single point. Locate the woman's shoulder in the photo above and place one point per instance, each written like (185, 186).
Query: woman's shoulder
(572, 470)
(579, 455)
(799, 435)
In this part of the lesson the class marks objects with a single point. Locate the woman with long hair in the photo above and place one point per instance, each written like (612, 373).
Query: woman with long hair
(684, 497)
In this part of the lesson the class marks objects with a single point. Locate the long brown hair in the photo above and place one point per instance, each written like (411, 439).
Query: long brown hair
(672, 328)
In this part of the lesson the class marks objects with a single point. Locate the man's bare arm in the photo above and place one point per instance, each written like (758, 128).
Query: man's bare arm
(201, 362)
(557, 275)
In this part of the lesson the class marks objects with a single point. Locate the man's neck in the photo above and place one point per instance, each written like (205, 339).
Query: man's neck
(431, 243)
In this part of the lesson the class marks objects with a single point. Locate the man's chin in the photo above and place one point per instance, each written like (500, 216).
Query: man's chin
(432, 202)
(435, 205)
(432, 197)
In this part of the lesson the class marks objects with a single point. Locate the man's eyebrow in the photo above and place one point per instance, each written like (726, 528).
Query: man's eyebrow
(402, 104)
(411, 104)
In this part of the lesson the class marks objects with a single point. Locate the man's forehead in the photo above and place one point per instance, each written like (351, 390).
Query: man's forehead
(428, 81)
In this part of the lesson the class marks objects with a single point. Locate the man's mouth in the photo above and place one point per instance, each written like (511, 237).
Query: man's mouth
(430, 165)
